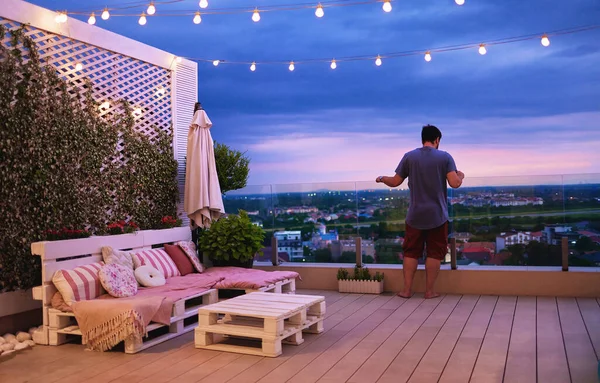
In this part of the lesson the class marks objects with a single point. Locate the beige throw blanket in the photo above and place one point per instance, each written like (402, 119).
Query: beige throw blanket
(104, 323)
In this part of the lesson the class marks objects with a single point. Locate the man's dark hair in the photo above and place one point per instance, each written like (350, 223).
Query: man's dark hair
(430, 133)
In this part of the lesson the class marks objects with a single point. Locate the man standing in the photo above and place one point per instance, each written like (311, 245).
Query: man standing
(427, 169)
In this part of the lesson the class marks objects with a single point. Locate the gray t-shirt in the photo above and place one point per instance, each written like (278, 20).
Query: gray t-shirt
(426, 169)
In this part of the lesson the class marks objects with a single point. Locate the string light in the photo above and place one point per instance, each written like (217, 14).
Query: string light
(216, 62)
(319, 12)
(482, 49)
(160, 91)
(142, 19)
(256, 16)
(78, 66)
(137, 111)
(378, 60)
(333, 64)
(105, 105)
(203, 4)
(61, 17)
(545, 40)
(427, 56)
(197, 18)
(459, 2)
(253, 67)
(291, 67)
(151, 8)
(105, 14)
(92, 19)
(387, 5)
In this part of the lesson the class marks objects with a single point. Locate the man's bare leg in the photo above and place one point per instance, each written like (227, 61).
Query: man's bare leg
(409, 270)
(432, 269)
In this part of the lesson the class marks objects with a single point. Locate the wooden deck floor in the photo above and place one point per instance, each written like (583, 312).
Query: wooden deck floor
(368, 338)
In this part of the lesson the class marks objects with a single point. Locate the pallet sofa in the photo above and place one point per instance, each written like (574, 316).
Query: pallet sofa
(69, 254)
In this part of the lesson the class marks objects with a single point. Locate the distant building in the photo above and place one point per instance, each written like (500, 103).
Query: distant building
(461, 236)
(344, 245)
(290, 242)
(478, 254)
(553, 234)
(504, 240)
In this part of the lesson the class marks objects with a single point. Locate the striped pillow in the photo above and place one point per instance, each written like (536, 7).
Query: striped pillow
(80, 284)
(159, 259)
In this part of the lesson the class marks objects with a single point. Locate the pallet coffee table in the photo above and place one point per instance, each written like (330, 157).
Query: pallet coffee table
(258, 323)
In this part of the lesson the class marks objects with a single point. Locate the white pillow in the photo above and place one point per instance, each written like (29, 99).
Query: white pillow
(122, 258)
(148, 276)
(80, 284)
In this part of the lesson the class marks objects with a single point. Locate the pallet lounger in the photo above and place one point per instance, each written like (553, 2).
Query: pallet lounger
(272, 319)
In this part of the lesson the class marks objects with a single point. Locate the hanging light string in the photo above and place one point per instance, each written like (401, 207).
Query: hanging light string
(428, 53)
(121, 11)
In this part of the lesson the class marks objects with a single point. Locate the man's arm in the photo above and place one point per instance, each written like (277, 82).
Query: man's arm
(455, 178)
(392, 182)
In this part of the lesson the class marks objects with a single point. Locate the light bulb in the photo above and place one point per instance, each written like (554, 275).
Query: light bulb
(482, 49)
(333, 64)
(63, 17)
(216, 62)
(459, 2)
(92, 19)
(387, 6)
(291, 67)
(545, 40)
(256, 16)
(378, 61)
(178, 60)
(105, 14)
(253, 67)
(142, 19)
(319, 12)
(105, 105)
(203, 4)
(78, 66)
(137, 111)
(197, 18)
(151, 9)
(427, 56)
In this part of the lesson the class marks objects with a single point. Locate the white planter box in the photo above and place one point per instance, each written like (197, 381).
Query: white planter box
(358, 286)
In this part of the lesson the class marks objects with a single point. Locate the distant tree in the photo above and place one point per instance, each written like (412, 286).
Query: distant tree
(307, 252)
(232, 168)
(517, 255)
(347, 257)
(584, 244)
(322, 255)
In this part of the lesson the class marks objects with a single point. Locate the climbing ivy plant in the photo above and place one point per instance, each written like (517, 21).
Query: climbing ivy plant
(61, 162)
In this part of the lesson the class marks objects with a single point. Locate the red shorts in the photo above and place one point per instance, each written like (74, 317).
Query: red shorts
(436, 240)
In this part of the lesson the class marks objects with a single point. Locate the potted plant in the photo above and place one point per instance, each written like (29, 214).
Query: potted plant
(361, 282)
(232, 241)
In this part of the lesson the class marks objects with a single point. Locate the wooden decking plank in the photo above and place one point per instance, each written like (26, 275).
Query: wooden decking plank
(551, 357)
(521, 362)
(338, 312)
(590, 310)
(402, 367)
(183, 366)
(207, 368)
(432, 364)
(319, 366)
(491, 361)
(379, 361)
(293, 365)
(580, 352)
(460, 365)
(232, 369)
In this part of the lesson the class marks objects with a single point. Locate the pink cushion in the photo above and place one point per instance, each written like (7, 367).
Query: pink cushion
(118, 280)
(189, 248)
(183, 263)
(159, 259)
(80, 284)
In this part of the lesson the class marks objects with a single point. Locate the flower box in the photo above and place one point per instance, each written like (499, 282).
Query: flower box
(360, 286)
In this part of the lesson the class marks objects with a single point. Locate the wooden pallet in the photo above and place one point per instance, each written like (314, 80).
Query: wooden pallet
(183, 319)
(258, 323)
(286, 286)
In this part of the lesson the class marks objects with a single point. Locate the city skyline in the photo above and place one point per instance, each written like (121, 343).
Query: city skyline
(520, 110)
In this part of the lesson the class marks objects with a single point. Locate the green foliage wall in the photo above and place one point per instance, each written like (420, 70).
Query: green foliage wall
(61, 164)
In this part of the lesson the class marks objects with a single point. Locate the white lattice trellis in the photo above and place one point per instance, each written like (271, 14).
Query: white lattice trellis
(114, 76)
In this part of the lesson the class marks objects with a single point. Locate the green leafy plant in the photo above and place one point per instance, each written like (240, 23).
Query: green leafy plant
(64, 165)
(342, 274)
(232, 168)
(378, 276)
(232, 240)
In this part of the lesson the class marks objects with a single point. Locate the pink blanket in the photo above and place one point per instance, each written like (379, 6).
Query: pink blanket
(241, 278)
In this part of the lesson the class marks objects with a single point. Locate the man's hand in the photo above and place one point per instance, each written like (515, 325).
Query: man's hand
(460, 174)
(378, 179)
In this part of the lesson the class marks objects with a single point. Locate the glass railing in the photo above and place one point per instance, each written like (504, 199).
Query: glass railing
(494, 221)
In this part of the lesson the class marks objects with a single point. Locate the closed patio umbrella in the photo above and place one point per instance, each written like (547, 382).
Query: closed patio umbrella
(203, 202)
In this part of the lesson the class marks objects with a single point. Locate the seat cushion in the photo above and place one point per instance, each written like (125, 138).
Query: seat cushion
(183, 263)
(158, 259)
(148, 276)
(118, 280)
(79, 284)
